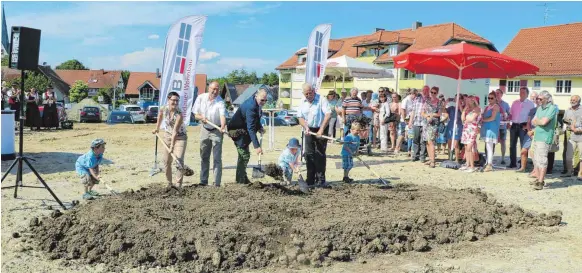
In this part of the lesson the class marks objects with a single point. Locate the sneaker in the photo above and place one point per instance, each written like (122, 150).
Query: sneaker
(93, 193)
(566, 174)
(463, 167)
(503, 162)
(348, 180)
(539, 186)
(488, 168)
(88, 196)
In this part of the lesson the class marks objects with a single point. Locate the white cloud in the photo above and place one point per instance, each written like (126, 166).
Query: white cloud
(154, 37)
(98, 18)
(97, 40)
(144, 60)
(207, 55)
(247, 22)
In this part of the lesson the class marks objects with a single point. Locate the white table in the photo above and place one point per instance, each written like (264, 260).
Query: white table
(272, 127)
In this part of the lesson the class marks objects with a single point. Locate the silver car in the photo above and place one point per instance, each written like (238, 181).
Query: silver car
(137, 114)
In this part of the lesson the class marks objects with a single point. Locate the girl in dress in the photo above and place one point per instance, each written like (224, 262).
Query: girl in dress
(470, 116)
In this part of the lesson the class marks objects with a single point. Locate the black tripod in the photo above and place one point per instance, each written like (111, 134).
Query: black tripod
(20, 158)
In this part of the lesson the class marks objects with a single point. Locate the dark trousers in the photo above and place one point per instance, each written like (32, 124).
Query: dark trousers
(244, 155)
(515, 132)
(418, 143)
(564, 152)
(551, 157)
(315, 157)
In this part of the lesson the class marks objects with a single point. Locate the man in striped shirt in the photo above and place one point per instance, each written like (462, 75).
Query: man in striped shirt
(417, 122)
(352, 108)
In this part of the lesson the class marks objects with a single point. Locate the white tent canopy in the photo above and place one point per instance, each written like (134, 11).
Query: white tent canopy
(346, 66)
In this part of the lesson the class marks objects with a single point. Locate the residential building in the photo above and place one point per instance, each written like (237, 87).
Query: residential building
(145, 86)
(95, 79)
(251, 90)
(379, 47)
(557, 51)
(60, 87)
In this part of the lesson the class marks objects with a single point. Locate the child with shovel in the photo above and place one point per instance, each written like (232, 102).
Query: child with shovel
(349, 149)
(289, 160)
(87, 167)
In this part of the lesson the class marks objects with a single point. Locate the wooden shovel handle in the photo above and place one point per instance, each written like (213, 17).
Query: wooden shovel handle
(215, 126)
(167, 148)
(326, 137)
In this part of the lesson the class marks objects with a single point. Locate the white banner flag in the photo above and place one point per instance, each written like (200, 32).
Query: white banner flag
(180, 58)
(317, 55)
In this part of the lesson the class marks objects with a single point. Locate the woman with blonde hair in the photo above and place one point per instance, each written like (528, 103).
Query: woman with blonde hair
(470, 116)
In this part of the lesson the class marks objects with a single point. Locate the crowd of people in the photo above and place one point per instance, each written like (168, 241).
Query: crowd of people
(50, 116)
(422, 125)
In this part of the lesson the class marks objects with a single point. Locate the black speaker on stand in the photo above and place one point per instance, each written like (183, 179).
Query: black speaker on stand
(24, 48)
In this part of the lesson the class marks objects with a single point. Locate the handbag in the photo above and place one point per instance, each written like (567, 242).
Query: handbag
(391, 118)
(555, 146)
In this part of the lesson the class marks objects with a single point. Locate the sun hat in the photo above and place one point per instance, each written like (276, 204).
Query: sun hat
(293, 143)
(97, 142)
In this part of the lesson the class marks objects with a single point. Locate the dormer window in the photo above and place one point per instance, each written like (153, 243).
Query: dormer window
(393, 49)
(301, 58)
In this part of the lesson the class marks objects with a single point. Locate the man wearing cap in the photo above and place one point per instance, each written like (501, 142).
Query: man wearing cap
(332, 102)
(209, 108)
(314, 115)
(87, 166)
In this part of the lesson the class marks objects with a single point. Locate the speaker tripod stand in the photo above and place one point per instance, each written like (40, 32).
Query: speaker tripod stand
(20, 159)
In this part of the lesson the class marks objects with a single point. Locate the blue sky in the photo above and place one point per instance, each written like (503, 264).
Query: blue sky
(252, 35)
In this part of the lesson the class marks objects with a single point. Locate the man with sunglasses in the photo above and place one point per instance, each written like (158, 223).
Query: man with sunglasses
(518, 115)
(243, 128)
(314, 115)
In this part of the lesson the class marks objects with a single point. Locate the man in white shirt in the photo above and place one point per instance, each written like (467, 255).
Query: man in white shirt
(210, 108)
(518, 115)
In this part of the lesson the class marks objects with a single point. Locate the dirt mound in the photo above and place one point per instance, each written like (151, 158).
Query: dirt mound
(205, 229)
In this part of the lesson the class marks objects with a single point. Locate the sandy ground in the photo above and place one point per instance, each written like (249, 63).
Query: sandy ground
(130, 157)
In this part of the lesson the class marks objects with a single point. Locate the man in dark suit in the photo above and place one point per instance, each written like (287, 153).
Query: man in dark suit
(243, 128)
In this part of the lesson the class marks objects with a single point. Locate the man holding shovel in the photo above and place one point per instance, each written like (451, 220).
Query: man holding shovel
(210, 109)
(314, 115)
(243, 128)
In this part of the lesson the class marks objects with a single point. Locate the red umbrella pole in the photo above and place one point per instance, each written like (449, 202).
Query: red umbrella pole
(456, 113)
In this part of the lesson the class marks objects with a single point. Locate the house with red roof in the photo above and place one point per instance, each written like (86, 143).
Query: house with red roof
(146, 86)
(379, 47)
(557, 51)
(95, 79)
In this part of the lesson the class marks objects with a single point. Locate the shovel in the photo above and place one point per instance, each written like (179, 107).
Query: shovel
(109, 188)
(258, 171)
(332, 139)
(155, 170)
(379, 177)
(303, 187)
(216, 126)
(187, 171)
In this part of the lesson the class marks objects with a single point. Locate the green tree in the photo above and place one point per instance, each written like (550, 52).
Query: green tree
(273, 79)
(33, 79)
(5, 60)
(120, 102)
(125, 77)
(252, 78)
(265, 79)
(106, 93)
(71, 65)
(78, 91)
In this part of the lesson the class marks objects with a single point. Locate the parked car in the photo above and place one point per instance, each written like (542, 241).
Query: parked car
(90, 113)
(152, 114)
(289, 115)
(278, 121)
(136, 112)
(117, 117)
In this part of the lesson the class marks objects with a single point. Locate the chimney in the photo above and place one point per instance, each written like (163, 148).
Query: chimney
(158, 73)
(379, 29)
(416, 25)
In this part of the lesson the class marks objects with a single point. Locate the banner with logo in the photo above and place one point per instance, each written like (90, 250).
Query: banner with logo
(180, 58)
(317, 51)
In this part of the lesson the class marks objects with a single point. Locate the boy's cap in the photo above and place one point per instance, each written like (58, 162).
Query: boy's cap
(293, 143)
(97, 142)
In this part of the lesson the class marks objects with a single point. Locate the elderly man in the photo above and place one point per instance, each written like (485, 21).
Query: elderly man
(545, 125)
(352, 109)
(210, 108)
(243, 128)
(314, 115)
(417, 123)
(573, 125)
(518, 115)
(505, 108)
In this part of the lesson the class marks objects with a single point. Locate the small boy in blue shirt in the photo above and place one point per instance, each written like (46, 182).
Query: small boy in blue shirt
(289, 160)
(349, 149)
(87, 167)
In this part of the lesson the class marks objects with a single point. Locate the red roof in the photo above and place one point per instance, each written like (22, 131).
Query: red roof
(422, 37)
(556, 50)
(93, 78)
(137, 79)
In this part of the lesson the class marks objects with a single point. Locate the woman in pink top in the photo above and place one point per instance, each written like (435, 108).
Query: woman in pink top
(471, 117)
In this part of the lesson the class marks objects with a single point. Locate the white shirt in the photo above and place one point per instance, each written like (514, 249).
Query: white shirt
(212, 110)
(314, 112)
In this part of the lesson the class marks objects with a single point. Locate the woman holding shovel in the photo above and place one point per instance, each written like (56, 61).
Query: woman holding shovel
(170, 121)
